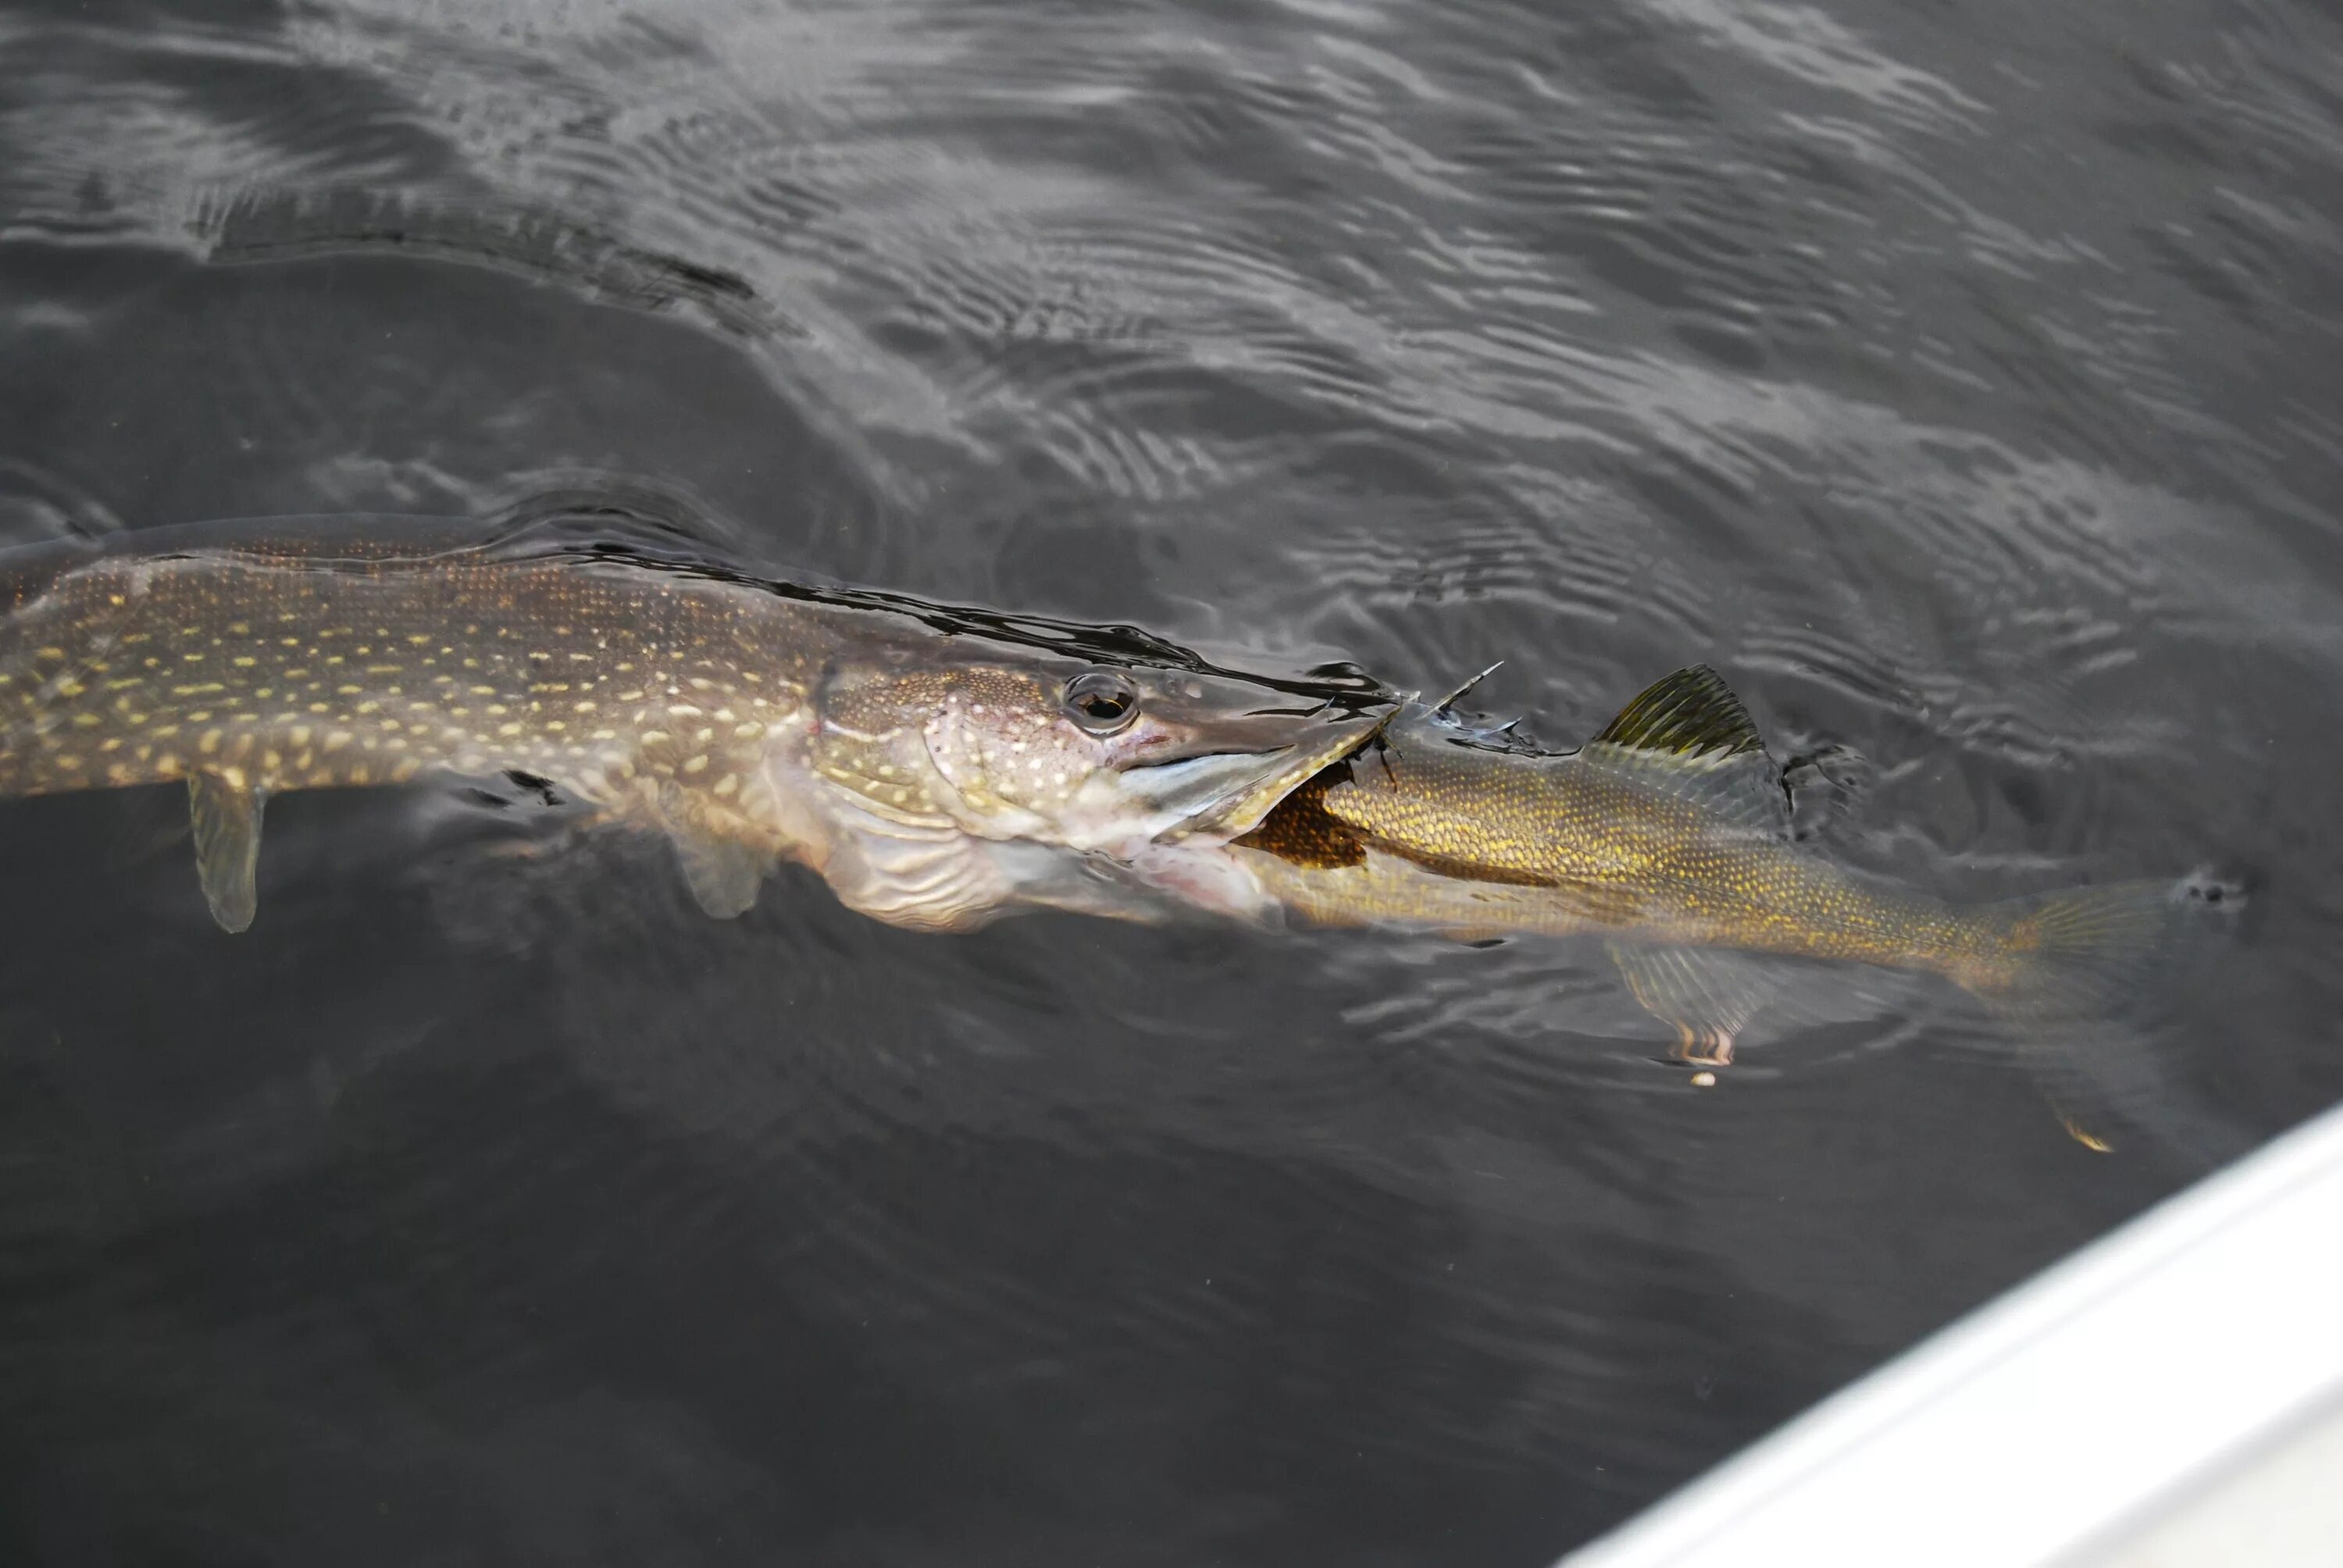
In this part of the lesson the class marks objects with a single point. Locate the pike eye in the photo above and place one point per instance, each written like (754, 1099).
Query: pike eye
(1101, 701)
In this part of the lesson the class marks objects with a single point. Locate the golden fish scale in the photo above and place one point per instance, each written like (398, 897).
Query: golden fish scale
(1580, 847)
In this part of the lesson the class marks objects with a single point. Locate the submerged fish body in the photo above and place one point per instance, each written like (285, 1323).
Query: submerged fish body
(1669, 836)
(933, 775)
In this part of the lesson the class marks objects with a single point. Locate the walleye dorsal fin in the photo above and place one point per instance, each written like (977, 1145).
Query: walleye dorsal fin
(1688, 735)
(1692, 713)
(227, 819)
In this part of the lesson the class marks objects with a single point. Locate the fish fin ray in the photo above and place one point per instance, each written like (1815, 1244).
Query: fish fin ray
(226, 821)
(723, 874)
(1708, 994)
(1453, 697)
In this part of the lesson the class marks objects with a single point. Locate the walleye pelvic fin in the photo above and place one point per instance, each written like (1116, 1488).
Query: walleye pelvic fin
(1708, 994)
(723, 874)
(1688, 735)
(227, 819)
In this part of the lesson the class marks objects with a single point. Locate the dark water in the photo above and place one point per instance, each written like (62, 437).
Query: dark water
(1960, 378)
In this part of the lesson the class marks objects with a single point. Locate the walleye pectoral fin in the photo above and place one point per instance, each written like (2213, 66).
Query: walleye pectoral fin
(1709, 995)
(723, 874)
(1688, 735)
(226, 819)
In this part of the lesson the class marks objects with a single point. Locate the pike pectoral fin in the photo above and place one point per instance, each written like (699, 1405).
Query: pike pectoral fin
(723, 874)
(1710, 995)
(227, 847)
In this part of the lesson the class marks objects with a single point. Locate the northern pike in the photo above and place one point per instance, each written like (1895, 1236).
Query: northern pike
(1668, 835)
(933, 765)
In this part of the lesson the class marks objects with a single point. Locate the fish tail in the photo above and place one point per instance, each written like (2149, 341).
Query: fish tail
(2081, 950)
(2079, 976)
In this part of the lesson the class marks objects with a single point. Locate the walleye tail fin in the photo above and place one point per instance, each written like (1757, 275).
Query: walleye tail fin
(2081, 975)
(2084, 951)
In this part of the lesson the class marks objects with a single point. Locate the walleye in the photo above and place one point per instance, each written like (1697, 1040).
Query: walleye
(935, 767)
(1668, 834)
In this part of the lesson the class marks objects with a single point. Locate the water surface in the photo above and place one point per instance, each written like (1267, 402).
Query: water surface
(1958, 378)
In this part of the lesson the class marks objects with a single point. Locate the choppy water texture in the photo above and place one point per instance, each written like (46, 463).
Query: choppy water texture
(1960, 379)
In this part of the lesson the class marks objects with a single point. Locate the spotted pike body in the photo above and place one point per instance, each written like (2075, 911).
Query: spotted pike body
(932, 777)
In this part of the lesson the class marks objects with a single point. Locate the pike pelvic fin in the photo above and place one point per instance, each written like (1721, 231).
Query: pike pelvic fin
(1688, 735)
(1708, 994)
(226, 819)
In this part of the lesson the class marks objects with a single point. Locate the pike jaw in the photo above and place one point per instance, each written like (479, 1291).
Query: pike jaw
(963, 789)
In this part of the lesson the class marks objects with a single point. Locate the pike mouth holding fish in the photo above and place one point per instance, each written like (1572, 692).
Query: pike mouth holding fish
(939, 766)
